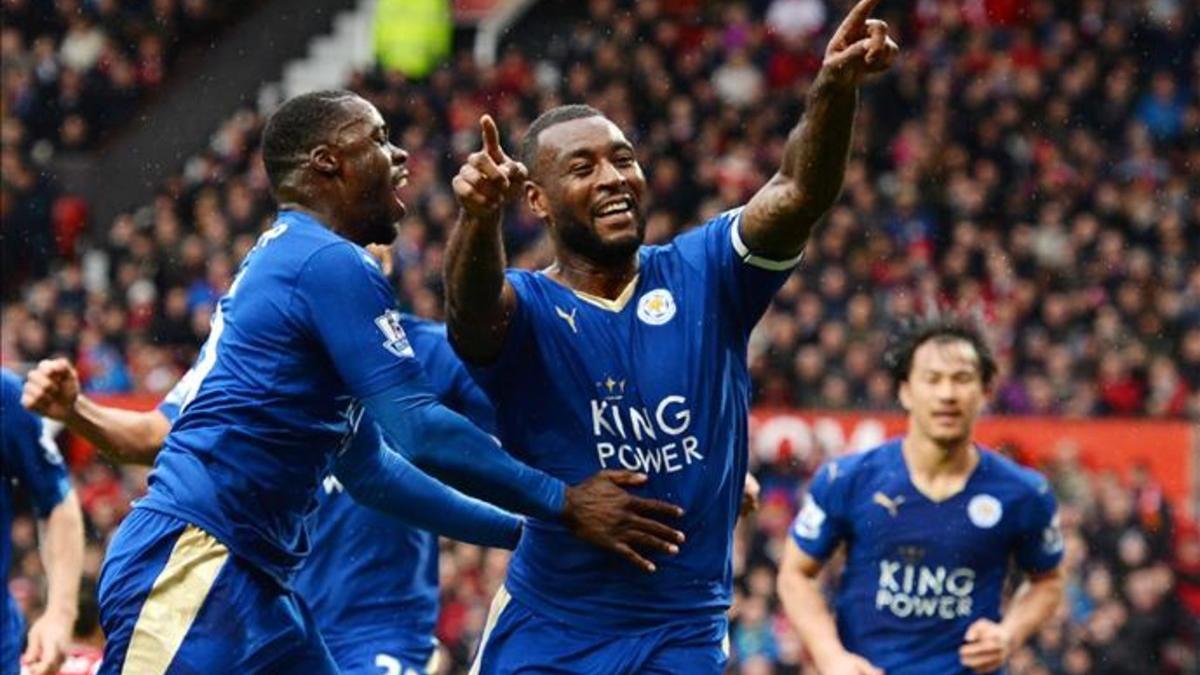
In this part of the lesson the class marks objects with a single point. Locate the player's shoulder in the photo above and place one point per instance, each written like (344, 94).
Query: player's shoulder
(1020, 482)
(859, 468)
(11, 385)
(427, 337)
(695, 239)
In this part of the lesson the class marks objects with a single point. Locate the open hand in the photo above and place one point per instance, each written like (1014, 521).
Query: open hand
(490, 179)
(861, 47)
(47, 643)
(51, 389)
(600, 511)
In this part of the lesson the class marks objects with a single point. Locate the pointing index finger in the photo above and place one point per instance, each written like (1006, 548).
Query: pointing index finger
(855, 20)
(491, 139)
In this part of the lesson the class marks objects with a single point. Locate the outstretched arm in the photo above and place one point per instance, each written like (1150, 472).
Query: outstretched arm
(778, 219)
(122, 436)
(479, 302)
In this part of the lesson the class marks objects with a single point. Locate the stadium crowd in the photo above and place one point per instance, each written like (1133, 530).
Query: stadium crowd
(1031, 162)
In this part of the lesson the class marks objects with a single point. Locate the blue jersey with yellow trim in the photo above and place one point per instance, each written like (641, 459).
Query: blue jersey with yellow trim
(272, 394)
(27, 456)
(370, 576)
(655, 382)
(918, 573)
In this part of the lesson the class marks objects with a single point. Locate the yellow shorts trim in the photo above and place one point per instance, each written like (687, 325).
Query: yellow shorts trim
(174, 601)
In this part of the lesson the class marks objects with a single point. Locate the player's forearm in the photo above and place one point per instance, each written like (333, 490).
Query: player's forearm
(805, 607)
(445, 444)
(62, 556)
(123, 436)
(1033, 604)
(384, 480)
(474, 275)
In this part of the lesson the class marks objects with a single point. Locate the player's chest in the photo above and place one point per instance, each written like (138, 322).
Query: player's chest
(967, 530)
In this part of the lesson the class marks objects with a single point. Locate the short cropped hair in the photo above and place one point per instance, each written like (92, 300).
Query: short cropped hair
(552, 117)
(300, 124)
(940, 328)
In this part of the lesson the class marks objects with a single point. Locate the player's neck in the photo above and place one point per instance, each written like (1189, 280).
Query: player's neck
(938, 470)
(603, 281)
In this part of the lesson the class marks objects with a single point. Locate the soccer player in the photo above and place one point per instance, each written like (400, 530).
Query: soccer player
(371, 580)
(930, 523)
(28, 455)
(633, 357)
(198, 576)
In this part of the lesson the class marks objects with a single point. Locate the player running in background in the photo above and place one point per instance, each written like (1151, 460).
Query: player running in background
(931, 523)
(371, 580)
(198, 576)
(29, 457)
(632, 357)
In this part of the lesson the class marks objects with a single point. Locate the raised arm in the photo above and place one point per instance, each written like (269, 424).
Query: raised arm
(778, 219)
(479, 302)
(122, 436)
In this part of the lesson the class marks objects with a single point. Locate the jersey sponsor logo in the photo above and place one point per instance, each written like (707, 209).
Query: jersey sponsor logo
(569, 318)
(396, 340)
(1052, 538)
(809, 520)
(656, 307)
(919, 591)
(639, 438)
(984, 511)
(892, 505)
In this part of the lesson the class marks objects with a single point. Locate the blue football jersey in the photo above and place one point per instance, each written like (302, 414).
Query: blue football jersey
(28, 456)
(309, 325)
(918, 572)
(370, 575)
(655, 382)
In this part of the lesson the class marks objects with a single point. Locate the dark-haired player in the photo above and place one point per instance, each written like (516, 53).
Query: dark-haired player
(931, 523)
(198, 577)
(632, 357)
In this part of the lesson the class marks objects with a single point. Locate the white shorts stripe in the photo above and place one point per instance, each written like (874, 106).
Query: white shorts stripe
(498, 604)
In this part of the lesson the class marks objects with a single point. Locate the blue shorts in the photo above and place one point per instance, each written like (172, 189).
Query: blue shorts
(174, 600)
(517, 640)
(386, 655)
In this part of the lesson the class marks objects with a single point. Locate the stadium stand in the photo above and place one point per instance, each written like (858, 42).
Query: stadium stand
(1034, 163)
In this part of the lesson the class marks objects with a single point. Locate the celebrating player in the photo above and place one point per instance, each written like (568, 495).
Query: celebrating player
(930, 523)
(371, 579)
(28, 455)
(631, 357)
(307, 337)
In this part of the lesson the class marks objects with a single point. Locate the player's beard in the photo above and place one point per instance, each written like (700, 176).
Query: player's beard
(582, 239)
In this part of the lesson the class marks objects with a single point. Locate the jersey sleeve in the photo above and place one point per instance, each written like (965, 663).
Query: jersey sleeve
(748, 282)
(349, 307)
(822, 522)
(180, 395)
(36, 461)
(1040, 541)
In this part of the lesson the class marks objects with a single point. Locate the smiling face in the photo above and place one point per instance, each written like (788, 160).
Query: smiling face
(944, 392)
(371, 172)
(588, 187)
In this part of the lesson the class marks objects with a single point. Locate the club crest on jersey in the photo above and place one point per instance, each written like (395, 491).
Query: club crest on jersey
(396, 340)
(984, 511)
(656, 307)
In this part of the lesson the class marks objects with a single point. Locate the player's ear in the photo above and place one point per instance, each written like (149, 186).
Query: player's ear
(905, 396)
(323, 159)
(535, 197)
